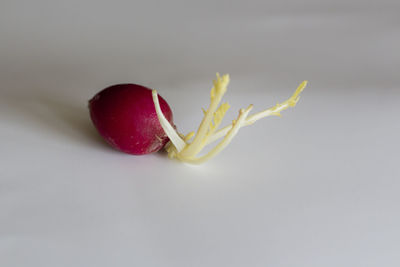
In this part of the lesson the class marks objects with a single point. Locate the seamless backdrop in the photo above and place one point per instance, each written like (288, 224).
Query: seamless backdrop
(317, 187)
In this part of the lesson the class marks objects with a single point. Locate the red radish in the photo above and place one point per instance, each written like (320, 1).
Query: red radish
(136, 120)
(125, 116)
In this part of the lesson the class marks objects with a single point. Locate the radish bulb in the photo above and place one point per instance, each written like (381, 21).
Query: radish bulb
(136, 120)
(180, 146)
(125, 116)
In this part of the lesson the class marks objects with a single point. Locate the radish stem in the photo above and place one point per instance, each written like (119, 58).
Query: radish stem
(274, 111)
(168, 129)
(179, 146)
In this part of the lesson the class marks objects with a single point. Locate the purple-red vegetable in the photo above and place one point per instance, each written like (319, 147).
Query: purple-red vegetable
(125, 116)
(136, 120)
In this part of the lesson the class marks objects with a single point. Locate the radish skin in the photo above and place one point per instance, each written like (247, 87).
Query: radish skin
(125, 116)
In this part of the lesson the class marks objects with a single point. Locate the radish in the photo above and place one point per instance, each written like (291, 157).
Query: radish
(125, 116)
(136, 120)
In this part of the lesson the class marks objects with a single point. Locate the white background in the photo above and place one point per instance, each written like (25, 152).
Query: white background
(317, 187)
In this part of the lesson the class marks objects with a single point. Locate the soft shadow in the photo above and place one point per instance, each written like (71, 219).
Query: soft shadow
(56, 114)
(76, 119)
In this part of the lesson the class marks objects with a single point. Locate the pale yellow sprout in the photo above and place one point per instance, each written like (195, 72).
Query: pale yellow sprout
(180, 146)
(274, 111)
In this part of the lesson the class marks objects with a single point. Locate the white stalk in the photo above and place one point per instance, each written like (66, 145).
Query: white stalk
(237, 124)
(167, 127)
(200, 139)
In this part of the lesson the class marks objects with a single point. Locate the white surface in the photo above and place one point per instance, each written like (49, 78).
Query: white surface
(318, 187)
